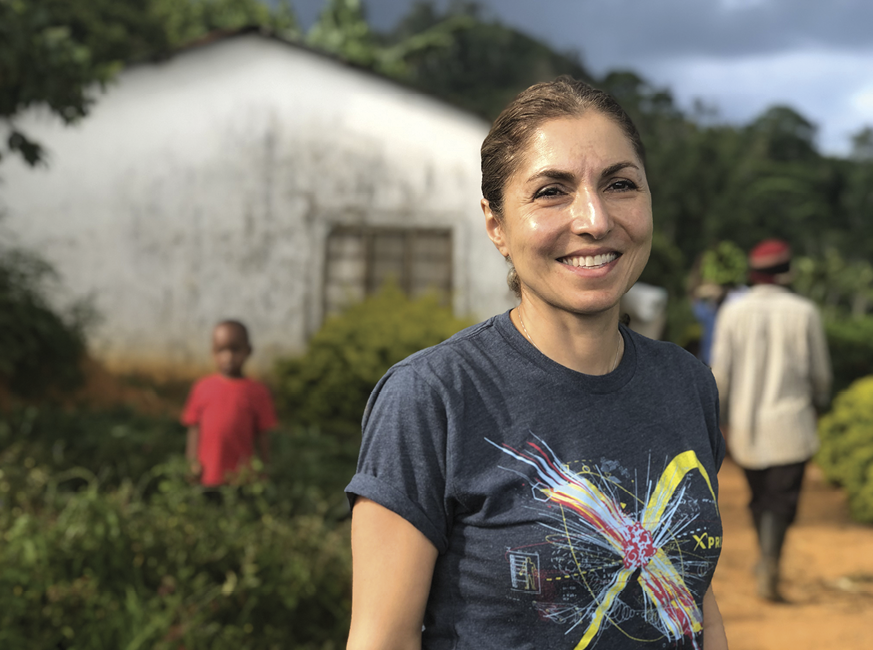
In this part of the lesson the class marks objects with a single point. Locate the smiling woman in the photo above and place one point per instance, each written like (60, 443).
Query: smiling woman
(544, 478)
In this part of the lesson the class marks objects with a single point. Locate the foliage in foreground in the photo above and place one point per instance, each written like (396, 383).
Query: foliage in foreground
(155, 563)
(329, 385)
(846, 454)
(307, 466)
(113, 445)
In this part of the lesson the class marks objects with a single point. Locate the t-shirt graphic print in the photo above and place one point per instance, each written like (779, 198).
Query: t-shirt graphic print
(611, 552)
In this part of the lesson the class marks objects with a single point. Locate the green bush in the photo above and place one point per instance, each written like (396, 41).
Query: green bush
(166, 568)
(846, 454)
(105, 544)
(40, 348)
(850, 341)
(329, 385)
(113, 444)
(307, 465)
(724, 264)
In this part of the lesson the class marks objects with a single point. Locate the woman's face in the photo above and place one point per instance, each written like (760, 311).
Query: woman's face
(577, 219)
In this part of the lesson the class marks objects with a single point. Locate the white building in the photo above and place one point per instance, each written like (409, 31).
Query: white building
(254, 179)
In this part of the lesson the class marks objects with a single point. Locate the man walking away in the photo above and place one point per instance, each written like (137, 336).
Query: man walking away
(771, 363)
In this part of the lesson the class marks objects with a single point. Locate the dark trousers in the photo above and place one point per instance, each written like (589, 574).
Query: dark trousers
(775, 489)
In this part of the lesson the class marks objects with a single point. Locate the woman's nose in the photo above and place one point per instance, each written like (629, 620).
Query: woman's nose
(590, 215)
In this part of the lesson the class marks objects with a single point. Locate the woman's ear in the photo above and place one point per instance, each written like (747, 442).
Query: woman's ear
(494, 227)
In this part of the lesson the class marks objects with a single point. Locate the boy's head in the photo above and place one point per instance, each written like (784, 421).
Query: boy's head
(230, 347)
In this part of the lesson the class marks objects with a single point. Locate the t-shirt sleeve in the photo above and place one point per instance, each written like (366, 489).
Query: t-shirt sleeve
(193, 406)
(265, 412)
(402, 464)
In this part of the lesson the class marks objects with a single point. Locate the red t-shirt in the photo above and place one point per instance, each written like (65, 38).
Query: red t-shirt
(229, 413)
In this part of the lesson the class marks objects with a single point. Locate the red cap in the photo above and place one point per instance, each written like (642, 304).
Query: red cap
(769, 253)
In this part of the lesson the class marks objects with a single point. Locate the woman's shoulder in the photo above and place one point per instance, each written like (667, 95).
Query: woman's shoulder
(470, 351)
(472, 340)
(435, 374)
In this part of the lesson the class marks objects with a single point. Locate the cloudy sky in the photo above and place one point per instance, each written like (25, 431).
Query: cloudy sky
(740, 56)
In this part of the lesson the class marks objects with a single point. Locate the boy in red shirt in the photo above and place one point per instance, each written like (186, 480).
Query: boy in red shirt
(228, 416)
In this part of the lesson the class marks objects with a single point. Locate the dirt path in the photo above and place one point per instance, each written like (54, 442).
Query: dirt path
(828, 569)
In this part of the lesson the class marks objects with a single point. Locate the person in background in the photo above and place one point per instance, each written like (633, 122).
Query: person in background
(717, 278)
(229, 416)
(771, 363)
(546, 478)
(705, 301)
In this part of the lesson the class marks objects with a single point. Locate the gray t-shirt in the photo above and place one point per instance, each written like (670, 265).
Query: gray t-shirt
(569, 510)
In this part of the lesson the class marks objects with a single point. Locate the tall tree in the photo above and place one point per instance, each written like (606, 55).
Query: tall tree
(784, 134)
(857, 192)
(342, 30)
(480, 64)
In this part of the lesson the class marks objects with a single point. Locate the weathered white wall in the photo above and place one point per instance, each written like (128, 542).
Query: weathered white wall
(204, 188)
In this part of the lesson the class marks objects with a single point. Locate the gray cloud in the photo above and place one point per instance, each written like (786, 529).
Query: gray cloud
(624, 29)
(619, 32)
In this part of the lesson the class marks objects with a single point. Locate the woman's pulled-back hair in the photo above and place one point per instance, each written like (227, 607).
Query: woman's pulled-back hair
(505, 145)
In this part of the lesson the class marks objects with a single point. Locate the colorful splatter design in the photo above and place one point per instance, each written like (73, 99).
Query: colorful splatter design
(604, 545)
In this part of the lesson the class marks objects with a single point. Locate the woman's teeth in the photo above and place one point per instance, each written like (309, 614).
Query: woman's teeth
(589, 261)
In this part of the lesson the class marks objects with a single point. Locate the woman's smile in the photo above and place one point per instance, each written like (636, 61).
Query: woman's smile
(589, 261)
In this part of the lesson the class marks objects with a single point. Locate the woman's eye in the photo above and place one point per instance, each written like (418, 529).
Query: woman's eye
(623, 185)
(549, 192)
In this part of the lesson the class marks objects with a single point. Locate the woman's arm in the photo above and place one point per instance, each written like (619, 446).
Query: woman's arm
(714, 637)
(392, 569)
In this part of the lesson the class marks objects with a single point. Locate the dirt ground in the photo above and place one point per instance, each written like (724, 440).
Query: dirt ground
(827, 568)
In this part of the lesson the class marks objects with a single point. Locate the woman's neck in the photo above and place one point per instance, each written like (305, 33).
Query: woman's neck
(587, 343)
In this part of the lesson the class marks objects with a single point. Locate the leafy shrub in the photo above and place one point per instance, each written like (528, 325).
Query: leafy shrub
(40, 347)
(113, 444)
(850, 341)
(329, 385)
(846, 454)
(724, 264)
(307, 465)
(171, 569)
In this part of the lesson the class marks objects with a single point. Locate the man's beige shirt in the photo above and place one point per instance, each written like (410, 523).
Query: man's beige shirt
(771, 363)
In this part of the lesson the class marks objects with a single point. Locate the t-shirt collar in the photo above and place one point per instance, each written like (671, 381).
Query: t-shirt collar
(592, 383)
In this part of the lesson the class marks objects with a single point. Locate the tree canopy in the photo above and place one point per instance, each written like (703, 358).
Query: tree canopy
(60, 53)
